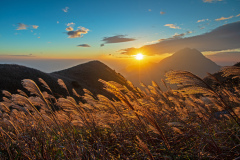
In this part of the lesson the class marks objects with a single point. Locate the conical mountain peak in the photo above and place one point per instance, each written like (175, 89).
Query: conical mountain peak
(188, 53)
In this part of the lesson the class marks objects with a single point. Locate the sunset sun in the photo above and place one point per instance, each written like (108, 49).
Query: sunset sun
(139, 56)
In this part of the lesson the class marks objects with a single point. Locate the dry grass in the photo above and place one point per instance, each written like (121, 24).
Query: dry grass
(193, 122)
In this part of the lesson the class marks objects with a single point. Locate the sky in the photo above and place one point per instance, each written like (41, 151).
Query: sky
(44, 33)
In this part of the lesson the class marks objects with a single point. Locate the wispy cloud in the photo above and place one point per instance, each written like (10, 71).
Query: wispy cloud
(238, 15)
(221, 38)
(172, 26)
(211, 1)
(65, 9)
(225, 58)
(223, 18)
(175, 36)
(22, 26)
(78, 33)
(18, 55)
(116, 39)
(202, 20)
(83, 45)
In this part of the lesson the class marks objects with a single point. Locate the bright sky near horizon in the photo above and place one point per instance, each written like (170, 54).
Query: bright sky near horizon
(79, 29)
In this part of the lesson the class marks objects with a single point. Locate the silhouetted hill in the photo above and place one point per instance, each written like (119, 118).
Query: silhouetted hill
(87, 75)
(12, 74)
(186, 59)
(81, 76)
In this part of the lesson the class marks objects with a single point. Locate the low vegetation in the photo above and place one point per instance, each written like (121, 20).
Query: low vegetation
(195, 121)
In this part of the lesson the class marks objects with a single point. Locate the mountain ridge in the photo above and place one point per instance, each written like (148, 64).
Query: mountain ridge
(78, 77)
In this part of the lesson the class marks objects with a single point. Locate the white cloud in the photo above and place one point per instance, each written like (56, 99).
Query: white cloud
(78, 33)
(162, 12)
(202, 20)
(172, 26)
(71, 24)
(223, 18)
(35, 26)
(65, 9)
(57, 22)
(69, 29)
(22, 26)
(238, 15)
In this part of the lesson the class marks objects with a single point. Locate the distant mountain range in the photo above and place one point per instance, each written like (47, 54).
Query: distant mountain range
(186, 59)
(87, 75)
(81, 76)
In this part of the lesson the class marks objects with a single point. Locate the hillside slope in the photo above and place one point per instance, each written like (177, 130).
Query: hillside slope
(87, 75)
(12, 75)
(79, 77)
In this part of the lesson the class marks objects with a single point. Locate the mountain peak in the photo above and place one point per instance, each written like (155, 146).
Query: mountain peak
(95, 64)
(187, 53)
(190, 60)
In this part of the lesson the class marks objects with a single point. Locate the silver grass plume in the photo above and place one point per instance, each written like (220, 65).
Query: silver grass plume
(184, 78)
(6, 93)
(31, 86)
(75, 93)
(232, 70)
(86, 91)
(189, 83)
(6, 100)
(144, 148)
(4, 107)
(63, 85)
(22, 93)
(69, 104)
(45, 85)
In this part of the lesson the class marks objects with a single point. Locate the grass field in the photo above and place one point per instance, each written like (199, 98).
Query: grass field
(197, 121)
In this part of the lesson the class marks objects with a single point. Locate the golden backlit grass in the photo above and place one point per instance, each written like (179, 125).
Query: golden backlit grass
(194, 122)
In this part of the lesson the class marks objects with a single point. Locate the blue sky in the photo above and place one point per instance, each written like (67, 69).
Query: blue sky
(37, 28)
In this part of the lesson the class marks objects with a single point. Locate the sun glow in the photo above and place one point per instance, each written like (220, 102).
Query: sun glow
(139, 56)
